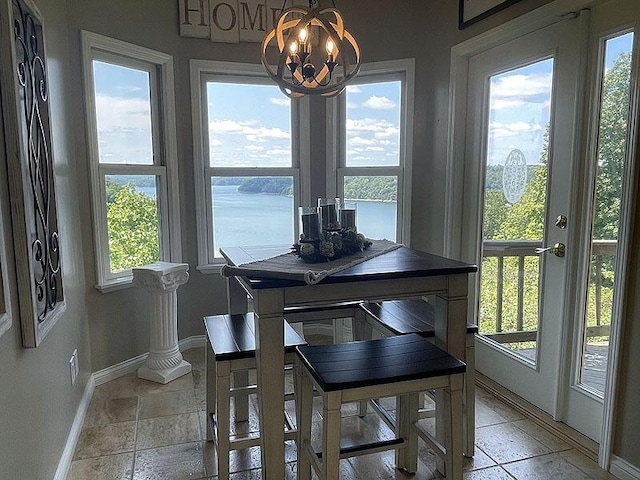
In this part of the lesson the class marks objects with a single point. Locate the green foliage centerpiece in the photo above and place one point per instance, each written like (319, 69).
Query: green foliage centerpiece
(329, 232)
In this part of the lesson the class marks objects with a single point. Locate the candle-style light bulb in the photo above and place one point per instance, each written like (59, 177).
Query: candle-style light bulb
(303, 38)
(330, 47)
(293, 48)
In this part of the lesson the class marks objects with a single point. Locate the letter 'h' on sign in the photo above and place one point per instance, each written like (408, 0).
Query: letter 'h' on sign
(230, 21)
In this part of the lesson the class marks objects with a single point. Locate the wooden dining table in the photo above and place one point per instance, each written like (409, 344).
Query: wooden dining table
(399, 273)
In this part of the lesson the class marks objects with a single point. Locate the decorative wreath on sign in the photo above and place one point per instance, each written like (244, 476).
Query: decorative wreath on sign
(332, 245)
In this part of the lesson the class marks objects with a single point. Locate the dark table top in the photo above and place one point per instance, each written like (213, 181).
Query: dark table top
(403, 262)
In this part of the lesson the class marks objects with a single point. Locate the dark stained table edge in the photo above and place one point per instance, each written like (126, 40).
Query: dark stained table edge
(424, 265)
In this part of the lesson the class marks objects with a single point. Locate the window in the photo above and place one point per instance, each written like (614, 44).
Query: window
(246, 175)
(372, 143)
(131, 136)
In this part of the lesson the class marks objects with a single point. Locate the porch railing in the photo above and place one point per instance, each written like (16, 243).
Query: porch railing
(520, 250)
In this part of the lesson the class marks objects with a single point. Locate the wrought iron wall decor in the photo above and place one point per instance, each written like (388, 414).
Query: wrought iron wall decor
(34, 215)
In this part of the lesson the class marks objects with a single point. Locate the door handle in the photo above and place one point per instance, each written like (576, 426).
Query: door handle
(559, 249)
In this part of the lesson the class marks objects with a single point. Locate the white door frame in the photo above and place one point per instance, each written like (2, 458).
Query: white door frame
(460, 54)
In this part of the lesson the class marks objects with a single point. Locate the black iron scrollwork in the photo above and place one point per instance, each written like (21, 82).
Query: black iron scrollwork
(32, 80)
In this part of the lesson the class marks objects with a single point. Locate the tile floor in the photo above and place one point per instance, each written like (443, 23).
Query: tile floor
(136, 429)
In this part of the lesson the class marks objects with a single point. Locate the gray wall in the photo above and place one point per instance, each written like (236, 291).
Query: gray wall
(35, 394)
(37, 401)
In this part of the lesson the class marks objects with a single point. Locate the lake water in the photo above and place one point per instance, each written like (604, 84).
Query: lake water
(262, 219)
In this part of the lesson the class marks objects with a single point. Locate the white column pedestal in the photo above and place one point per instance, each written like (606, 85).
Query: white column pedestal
(162, 279)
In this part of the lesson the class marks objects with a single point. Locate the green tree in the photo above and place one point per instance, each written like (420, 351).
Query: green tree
(132, 220)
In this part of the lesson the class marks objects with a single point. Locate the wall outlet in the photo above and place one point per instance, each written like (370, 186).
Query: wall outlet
(74, 367)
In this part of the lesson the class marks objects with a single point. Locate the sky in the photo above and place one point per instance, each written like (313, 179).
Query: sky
(520, 102)
(250, 125)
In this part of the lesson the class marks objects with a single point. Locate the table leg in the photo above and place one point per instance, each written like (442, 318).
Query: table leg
(451, 331)
(269, 322)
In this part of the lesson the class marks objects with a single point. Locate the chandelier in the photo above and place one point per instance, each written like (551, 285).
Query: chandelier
(316, 54)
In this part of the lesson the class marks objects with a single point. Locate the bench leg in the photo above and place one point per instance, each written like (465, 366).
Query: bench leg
(223, 411)
(304, 415)
(331, 418)
(210, 375)
(406, 417)
(470, 399)
(454, 440)
(362, 330)
(241, 402)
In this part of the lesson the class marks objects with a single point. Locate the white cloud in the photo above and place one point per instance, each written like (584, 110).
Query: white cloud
(251, 133)
(360, 141)
(254, 148)
(379, 103)
(282, 102)
(118, 113)
(353, 89)
(502, 130)
(518, 87)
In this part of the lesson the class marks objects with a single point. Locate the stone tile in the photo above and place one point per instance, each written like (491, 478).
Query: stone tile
(182, 383)
(491, 411)
(544, 468)
(111, 410)
(123, 387)
(545, 437)
(201, 398)
(110, 467)
(170, 430)
(199, 378)
(382, 466)
(210, 457)
(491, 473)
(507, 443)
(176, 462)
(105, 440)
(587, 465)
(167, 403)
(196, 357)
(480, 460)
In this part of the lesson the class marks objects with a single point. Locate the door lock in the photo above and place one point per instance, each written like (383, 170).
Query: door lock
(561, 221)
(559, 249)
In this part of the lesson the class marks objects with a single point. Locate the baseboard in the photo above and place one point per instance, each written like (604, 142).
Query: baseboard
(74, 433)
(133, 364)
(623, 469)
(98, 378)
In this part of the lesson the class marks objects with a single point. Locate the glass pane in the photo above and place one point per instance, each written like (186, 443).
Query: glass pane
(377, 205)
(252, 211)
(612, 147)
(514, 206)
(132, 221)
(373, 124)
(249, 125)
(123, 114)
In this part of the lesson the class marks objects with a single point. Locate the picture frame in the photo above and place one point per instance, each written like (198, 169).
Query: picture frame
(472, 11)
(30, 169)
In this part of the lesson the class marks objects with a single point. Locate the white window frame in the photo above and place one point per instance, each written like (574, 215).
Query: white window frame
(394, 70)
(165, 166)
(202, 72)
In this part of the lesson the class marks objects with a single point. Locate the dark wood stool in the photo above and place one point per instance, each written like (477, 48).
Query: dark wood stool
(401, 366)
(415, 315)
(231, 347)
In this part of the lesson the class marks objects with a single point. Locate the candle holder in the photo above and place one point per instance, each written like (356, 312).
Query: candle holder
(348, 215)
(329, 214)
(310, 224)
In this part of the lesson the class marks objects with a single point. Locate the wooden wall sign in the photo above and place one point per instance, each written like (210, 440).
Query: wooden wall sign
(231, 21)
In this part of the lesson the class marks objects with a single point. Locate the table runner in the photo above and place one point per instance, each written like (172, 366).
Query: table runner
(289, 266)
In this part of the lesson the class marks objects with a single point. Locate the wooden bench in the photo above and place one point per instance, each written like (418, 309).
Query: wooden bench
(415, 315)
(401, 366)
(231, 348)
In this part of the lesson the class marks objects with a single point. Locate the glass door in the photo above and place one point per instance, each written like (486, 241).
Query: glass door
(605, 216)
(520, 147)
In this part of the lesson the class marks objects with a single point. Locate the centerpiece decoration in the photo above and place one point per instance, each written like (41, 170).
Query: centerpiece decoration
(329, 231)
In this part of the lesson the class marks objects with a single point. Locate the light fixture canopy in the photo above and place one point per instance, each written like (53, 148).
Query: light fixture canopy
(303, 66)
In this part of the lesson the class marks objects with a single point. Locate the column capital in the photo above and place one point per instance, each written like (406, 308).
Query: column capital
(161, 277)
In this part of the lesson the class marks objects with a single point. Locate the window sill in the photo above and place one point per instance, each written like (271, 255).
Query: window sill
(116, 284)
(210, 268)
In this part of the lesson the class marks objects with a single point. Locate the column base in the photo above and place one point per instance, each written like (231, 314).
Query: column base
(165, 375)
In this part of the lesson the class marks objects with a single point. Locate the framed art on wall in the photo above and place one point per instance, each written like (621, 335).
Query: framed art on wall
(472, 11)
